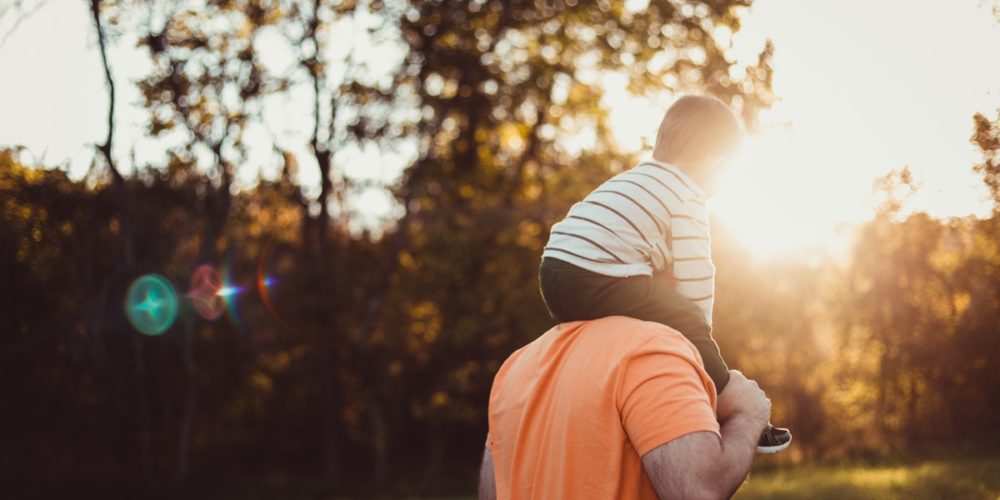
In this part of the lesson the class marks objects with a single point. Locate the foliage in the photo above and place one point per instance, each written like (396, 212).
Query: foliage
(987, 138)
(370, 362)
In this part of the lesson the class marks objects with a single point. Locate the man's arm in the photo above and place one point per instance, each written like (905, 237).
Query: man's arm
(700, 465)
(487, 482)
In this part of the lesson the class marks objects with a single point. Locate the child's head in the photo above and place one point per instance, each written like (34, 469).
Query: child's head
(696, 134)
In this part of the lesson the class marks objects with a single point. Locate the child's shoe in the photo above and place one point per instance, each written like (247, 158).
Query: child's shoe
(774, 439)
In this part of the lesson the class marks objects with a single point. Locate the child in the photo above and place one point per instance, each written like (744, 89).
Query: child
(639, 244)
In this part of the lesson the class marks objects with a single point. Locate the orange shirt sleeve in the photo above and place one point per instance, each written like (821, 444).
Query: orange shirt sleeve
(664, 394)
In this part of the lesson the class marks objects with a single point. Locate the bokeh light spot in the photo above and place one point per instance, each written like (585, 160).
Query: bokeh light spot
(151, 304)
(207, 292)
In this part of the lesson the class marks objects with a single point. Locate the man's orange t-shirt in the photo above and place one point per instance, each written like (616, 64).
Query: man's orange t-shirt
(572, 413)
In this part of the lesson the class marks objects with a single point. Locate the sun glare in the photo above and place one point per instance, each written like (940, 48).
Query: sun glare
(776, 201)
(773, 197)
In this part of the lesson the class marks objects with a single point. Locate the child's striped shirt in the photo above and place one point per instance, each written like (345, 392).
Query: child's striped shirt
(640, 222)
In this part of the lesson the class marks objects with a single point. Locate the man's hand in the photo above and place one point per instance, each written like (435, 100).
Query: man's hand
(743, 396)
(700, 465)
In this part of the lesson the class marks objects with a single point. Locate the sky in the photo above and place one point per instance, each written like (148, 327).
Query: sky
(865, 87)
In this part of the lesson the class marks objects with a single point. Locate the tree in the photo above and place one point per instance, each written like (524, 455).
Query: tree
(206, 81)
(496, 88)
(125, 214)
(337, 88)
(987, 138)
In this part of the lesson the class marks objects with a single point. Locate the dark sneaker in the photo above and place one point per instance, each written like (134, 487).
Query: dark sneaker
(774, 439)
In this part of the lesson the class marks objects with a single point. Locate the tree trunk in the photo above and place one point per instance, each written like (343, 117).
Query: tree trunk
(142, 397)
(436, 445)
(330, 427)
(380, 442)
(913, 423)
(190, 401)
(218, 202)
(128, 237)
(327, 294)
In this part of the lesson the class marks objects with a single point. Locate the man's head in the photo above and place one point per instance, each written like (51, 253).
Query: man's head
(697, 134)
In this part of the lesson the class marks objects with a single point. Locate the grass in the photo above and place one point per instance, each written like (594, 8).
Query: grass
(951, 478)
(937, 478)
(934, 479)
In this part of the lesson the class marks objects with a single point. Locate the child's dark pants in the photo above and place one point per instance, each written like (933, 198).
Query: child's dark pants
(572, 293)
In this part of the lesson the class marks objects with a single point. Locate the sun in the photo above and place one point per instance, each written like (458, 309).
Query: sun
(773, 197)
(775, 201)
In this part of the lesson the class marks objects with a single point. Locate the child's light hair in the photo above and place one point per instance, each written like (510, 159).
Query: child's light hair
(697, 129)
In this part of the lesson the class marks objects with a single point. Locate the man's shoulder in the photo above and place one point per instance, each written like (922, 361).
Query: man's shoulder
(612, 336)
(637, 334)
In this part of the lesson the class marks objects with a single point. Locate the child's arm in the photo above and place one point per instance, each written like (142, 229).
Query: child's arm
(683, 315)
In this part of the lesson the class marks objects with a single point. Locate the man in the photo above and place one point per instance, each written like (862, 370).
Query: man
(617, 408)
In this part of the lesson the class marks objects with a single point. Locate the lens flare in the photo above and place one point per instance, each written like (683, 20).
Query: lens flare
(274, 261)
(264, 284)
(207, 292)
(230, 291)
(151, 304)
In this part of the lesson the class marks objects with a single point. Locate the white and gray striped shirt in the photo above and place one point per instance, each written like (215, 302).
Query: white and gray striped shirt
(640, 222)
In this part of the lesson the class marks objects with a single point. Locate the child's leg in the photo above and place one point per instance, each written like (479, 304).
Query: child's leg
(666, 305)
(573, 294)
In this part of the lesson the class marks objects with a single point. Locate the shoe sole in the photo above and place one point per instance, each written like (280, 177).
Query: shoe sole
(768, 450)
